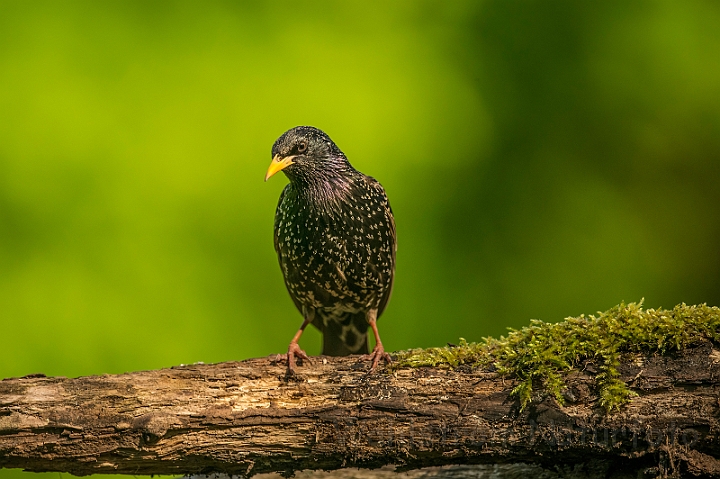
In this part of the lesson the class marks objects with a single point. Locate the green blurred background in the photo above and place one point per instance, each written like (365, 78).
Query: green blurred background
(543, 159)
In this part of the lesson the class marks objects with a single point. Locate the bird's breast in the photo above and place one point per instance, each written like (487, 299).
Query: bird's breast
(335, 257)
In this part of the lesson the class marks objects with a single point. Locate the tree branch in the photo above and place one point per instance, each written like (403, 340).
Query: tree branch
(246, 418)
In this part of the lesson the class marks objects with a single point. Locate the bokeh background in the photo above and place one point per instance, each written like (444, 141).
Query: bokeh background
(543, 159)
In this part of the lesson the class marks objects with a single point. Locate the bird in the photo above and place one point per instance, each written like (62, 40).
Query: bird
(334, 235)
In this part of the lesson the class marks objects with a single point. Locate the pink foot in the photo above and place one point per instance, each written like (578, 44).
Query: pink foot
(377, 354)
(294, 351)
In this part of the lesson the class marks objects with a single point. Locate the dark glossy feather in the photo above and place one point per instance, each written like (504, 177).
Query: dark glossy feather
(335, 240)
(338, 257)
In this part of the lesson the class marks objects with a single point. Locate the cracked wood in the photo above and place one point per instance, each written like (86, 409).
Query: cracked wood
(246, 418)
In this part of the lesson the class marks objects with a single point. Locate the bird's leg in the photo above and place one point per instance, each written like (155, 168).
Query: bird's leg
(294, 348)
(378, 352)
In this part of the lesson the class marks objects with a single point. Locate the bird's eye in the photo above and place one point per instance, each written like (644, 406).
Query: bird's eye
(302, 146)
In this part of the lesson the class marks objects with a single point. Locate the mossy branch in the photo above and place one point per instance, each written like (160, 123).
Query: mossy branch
(495, 401)
(540, 355)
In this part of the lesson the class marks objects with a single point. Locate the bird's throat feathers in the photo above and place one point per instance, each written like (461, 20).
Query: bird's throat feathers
(325, 189)
(327, 196)
(325, 193)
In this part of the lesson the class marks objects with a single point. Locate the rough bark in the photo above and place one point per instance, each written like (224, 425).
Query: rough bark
(246, 418)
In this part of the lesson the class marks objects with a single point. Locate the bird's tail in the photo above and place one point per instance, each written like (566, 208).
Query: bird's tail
(345, 335)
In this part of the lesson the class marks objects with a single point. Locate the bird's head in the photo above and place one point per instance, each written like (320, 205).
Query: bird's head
(305, 153)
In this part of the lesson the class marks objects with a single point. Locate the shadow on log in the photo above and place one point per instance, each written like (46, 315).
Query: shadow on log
(244, 418)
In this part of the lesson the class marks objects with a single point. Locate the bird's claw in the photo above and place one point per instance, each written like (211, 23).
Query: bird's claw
(377, 354)
(294, 351)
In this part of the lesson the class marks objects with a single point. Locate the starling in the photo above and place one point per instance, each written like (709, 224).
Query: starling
(335, 241)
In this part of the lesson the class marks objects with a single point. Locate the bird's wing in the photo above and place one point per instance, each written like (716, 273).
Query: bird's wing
(278, 249)
(276, 225)
(375, 185)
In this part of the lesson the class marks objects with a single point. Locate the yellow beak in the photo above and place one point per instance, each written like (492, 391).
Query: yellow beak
(278, 164)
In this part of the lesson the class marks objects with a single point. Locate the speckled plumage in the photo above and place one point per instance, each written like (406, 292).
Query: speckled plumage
(335, 240)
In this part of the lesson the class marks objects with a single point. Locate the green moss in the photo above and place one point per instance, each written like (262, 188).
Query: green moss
(539, 355)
